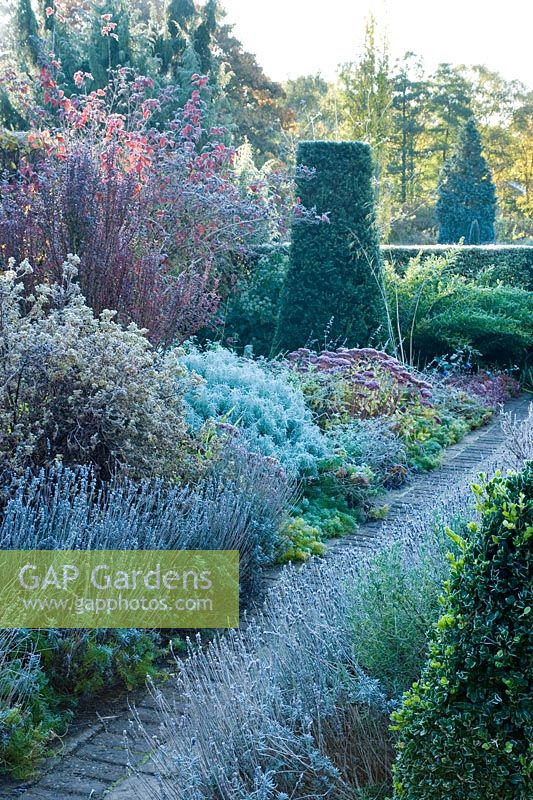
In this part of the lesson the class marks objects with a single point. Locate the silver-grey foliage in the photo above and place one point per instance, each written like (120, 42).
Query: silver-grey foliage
(19, 670)
(281, 709)
(238, 506)
(518, 436)
(82, 387)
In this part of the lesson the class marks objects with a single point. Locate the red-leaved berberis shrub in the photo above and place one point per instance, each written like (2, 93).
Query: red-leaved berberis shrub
(148, 197)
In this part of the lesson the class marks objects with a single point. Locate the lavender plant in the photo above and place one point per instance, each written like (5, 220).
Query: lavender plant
(282, 708)
(394, 607)
(238, 506)
(518, 436)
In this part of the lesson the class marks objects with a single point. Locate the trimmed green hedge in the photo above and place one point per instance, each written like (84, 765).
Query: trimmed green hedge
(331, 293)
(511, 264)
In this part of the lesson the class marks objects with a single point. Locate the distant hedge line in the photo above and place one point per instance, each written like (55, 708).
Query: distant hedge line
(512, 264)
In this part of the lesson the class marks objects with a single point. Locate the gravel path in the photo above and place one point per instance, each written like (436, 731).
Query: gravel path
(93, 763)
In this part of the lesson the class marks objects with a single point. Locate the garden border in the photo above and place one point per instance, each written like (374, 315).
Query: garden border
(93, 762)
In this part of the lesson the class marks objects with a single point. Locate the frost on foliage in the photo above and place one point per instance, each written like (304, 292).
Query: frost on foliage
(82, 388)
(371, 442)
(283, 704)
(281, 708)
(270, 413)
(357, 382)
(237, 505)
(518, 436)
(147, 194)
(21, 682)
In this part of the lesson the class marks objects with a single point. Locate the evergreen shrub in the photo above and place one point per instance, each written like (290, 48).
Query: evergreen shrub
(250, 314)
(465, 729)
(332, 287)
(437, 311)
(466, 206)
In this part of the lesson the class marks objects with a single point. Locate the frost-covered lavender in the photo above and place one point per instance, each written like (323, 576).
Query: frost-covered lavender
(239, 505)
(287, 707)
(284, 708)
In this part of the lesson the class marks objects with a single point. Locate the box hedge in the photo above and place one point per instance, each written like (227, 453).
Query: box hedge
(465, 729)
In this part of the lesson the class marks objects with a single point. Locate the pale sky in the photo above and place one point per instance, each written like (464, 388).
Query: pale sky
(297, 37)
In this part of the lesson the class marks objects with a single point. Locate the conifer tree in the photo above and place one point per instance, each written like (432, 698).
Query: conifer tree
(466, 206)
(203, 36)
(366, 105)
(181, 18)
(28, 34)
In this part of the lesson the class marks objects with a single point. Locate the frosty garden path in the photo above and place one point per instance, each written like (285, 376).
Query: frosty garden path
(93, 761)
